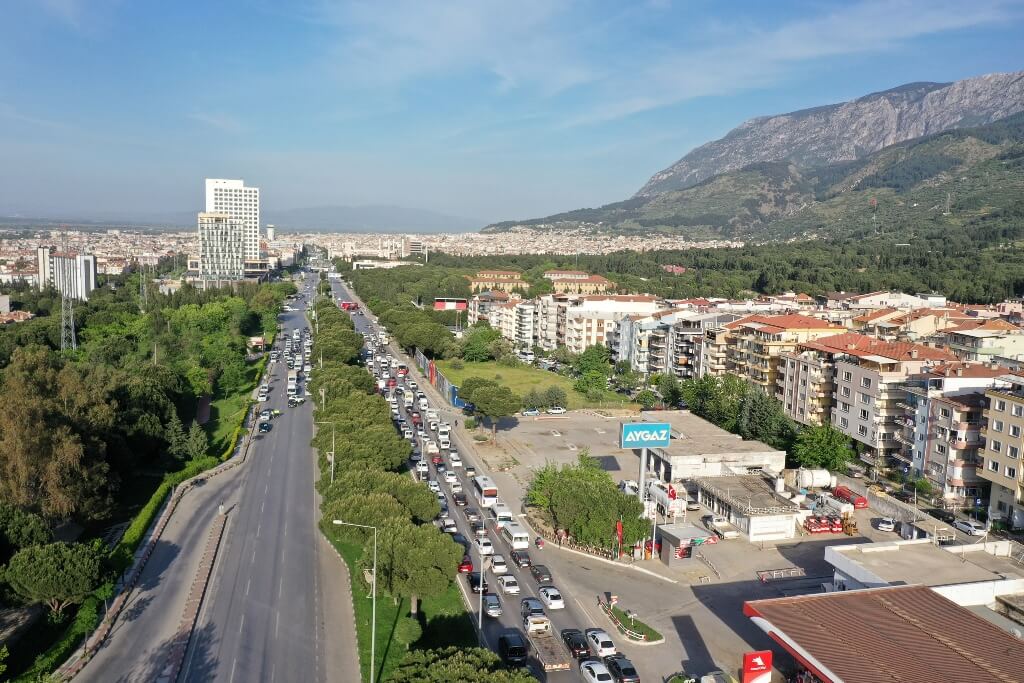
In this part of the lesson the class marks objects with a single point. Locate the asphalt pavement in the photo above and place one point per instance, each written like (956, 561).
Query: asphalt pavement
(580, 610)
(278, 607)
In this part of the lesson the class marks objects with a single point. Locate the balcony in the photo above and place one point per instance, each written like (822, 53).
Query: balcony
(902, 439)
(906, 405)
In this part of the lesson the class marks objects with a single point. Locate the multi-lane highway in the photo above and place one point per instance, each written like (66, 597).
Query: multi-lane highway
(580, 610)
(278, 606)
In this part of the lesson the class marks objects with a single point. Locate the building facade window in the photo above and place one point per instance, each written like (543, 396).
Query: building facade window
(996, 446)
(862, 430)
(993, 466)
(997, 425)
(1000, 405)
(846, 375)
(1011, 472)
(1016, 409)
(843, 422)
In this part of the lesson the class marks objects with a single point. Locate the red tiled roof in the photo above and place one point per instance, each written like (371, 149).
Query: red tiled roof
(977, 370)
(903, 633)
(995, 324)
(596, 279)
(875, 315)
(862, 345)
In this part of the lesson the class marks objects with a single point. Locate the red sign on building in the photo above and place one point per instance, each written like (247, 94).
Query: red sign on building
(757, 666)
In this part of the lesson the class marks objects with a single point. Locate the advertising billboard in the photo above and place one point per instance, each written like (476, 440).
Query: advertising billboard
(449, 304)
(646, 435)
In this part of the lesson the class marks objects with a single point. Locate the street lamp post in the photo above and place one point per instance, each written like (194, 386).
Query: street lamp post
(480, 600)
(324, 422)
(373, 618)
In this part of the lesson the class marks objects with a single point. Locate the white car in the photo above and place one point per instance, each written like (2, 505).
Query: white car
(509, 585)
(556, 410)
(449, 526)
(887, 524)
(455, 460)
(456, 486)
(485, 546)
(551, 597)
(970, 527)
(498, 565)
(413, 385)
(422, 467)
(263, 397)
(408, 434)
(600, 642)
(450, 477)
(434, 486)
(593, 671)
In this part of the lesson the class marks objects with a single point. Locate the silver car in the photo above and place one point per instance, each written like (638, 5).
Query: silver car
(492, 605)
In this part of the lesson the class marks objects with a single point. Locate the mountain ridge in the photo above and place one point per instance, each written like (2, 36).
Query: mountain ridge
(847, 131)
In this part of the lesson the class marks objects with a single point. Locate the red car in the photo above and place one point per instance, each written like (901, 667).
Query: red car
(415, 417)
(392, 382)
(436, 459)
(466, 565)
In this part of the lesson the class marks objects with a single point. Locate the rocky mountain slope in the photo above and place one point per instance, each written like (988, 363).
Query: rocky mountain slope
(848, 131)
(944, 180)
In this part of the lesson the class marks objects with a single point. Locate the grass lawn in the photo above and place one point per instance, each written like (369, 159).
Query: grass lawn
(522, 379)
(443, 619)
(637, 625)
(227, 411)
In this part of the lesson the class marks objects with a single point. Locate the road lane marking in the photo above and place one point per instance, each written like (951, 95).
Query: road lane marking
(258, 528)
(233, 669)
(247, 585)
(277, 624)
(253, 555)
(280, 583)
(241, 624)
(261, 506)
(266, 489)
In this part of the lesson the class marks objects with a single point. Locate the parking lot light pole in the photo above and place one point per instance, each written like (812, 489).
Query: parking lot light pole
(373, 618)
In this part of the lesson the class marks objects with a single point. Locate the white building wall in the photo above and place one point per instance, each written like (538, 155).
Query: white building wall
(234, 198)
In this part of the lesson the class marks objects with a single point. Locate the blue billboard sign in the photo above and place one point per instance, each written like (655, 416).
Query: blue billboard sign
(646, 435)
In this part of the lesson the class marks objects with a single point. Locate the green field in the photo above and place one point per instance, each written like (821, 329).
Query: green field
(522, 379)
(226, 412)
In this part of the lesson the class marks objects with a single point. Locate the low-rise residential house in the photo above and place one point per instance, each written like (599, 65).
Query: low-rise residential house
(942, 428)
(756, 342)
(909, 325)
(875, 300)
(870, 394)
(592, 284)
(1000, 461)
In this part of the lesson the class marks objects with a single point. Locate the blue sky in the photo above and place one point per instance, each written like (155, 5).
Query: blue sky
(493, 110)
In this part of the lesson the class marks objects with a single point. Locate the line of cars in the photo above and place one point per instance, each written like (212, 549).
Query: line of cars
(592, 649)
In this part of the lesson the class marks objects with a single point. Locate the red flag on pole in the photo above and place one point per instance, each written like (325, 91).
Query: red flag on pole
(671, 492)
(618, 531)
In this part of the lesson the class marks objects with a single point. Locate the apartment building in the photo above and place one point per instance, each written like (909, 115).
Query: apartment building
(942, 428)
(1000, 461)
(908, 325)
(754, 344)
(870, 397)
(551, 316)
(686, 336)
(233, 198)
(982, 340)
(73, 274)
(874, 300)
(593, 319)
(480, 305)
(644, 341)
(221, 248)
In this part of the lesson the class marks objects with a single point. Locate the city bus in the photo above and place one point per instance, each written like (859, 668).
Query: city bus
(485, 490)
(501, 515)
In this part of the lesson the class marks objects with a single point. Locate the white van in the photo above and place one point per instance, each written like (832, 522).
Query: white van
(501, 515)
(423, 404)
(444, 442)
(515, 536)
(408, 401)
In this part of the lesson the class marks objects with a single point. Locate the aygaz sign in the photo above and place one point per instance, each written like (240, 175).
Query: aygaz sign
(646, 435)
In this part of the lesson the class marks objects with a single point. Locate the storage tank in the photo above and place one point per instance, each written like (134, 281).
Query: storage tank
(813, 479)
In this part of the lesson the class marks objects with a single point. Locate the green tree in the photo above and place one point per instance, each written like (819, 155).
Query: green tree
(415, 561)
(20, 529)
(174, 434)
(471, 384)
(495, 403)
(647, 398)
(563, 355)
(477, 344)
(822, 446)
(534, 399)
(198, 442)
(595, 359)
(555, 396)
(466, 665)
(761, 417)
(591, 383)
(57, 574)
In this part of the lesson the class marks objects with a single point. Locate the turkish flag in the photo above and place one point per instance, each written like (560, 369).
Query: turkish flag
(618, 531)
(671, 492)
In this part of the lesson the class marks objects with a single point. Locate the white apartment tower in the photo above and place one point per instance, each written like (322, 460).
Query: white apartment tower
(71, 274)
(233, 198)
(222, 243)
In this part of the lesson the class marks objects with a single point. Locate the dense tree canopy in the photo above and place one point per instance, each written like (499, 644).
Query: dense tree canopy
(466, 665)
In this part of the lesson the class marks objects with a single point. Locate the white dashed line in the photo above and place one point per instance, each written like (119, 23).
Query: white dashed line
(241, 625)
(254, 556)
(258, 528)
(248, 584)
(233, 664)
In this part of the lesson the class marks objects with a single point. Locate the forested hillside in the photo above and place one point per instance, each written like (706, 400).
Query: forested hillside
(948, 180)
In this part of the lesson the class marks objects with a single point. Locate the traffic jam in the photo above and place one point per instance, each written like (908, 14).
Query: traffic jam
(513, 597)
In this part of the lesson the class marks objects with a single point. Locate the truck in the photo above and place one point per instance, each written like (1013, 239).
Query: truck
(722, 527)
(550, 653)
(669, 499)
(858, 501)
